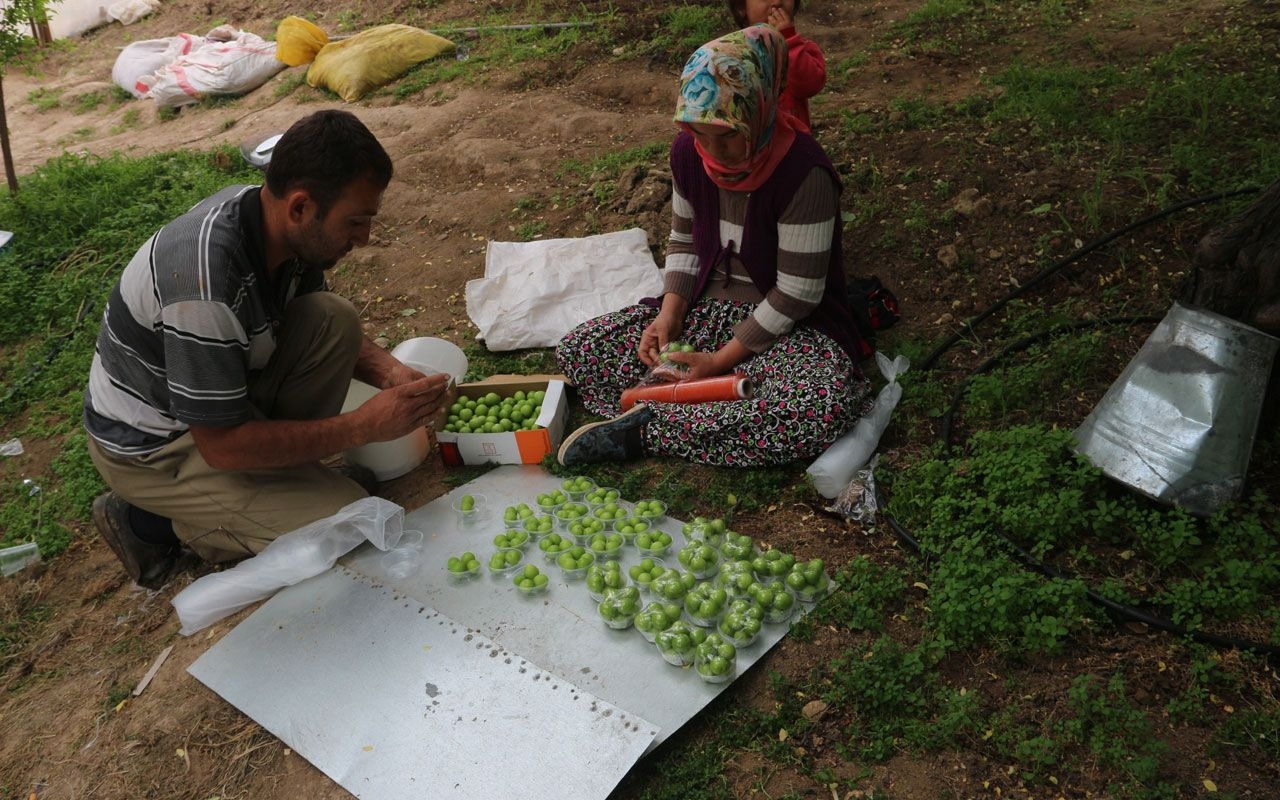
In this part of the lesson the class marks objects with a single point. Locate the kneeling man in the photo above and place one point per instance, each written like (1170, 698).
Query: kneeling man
(223, 362)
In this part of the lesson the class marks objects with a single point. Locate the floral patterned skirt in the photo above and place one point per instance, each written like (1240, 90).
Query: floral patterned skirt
(807, 391)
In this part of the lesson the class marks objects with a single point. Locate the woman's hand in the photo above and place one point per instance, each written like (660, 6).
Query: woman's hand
(708, 365)
(664, 329)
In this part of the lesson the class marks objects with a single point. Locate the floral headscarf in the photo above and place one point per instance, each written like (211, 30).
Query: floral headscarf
(735, 81)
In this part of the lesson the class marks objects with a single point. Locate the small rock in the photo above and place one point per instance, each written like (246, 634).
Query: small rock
(969, 204)
(945, 319)
(947, 256)
(813, 709)
(382, 342)
(650, 195)
(619, 50)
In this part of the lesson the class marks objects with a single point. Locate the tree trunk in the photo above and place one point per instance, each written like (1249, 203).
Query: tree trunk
(1237, 274)
(4, 144)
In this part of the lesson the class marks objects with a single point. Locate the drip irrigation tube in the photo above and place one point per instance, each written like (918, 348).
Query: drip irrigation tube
(1035, 280)
(945, 426)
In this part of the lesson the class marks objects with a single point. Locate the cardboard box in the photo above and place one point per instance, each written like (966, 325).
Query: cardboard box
(514, 447)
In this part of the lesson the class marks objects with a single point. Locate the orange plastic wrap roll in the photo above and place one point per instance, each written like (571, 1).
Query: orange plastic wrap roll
(704, 390)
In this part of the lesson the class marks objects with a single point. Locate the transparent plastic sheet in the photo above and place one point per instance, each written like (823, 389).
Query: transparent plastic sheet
(858, 500)
(13, 447)
(833, 470)
(292, 558)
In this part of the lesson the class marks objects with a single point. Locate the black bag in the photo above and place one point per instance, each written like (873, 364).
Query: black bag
(874, 307)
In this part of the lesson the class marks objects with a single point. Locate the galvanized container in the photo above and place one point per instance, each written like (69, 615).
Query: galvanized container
(1178, 424)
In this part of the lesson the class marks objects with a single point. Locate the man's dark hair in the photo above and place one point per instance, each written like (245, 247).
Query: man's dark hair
(738, 8)
(323, 153)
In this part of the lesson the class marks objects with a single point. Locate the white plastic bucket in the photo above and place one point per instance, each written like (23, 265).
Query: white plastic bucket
(390, 459)
(430, 355)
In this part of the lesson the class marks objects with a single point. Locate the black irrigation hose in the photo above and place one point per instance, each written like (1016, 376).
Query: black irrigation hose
(1035, 280)
(1030, 561)
(944, 431)
(944, 427)
(1120, 610)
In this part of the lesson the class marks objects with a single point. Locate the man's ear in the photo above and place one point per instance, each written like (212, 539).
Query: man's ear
(298, 206)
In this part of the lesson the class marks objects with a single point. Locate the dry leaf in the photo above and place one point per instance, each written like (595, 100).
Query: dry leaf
(782, 734)
(1210, 786)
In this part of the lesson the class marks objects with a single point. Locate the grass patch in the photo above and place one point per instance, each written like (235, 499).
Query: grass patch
(76, 239)
(45, 99)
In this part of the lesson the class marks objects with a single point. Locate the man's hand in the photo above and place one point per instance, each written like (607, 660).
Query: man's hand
(401, 374)
(402, 409)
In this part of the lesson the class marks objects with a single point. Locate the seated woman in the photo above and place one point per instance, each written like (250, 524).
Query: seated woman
(753, 281)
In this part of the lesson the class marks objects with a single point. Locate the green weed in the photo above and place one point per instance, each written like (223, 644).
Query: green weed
(89, 101)
(45, 99)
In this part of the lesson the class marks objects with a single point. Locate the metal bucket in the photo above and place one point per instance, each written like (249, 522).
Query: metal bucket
(1178, 424)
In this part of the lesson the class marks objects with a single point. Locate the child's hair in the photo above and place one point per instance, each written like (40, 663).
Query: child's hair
(738, 8)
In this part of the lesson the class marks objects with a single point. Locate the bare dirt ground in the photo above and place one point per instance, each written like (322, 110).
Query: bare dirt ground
(464, 160)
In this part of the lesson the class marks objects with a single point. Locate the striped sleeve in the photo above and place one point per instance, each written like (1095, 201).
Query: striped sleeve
(805, 233)
(681, 273)
(206, 360)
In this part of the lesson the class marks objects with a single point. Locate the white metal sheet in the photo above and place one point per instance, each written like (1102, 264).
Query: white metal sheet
(561, 629)
(393, 699)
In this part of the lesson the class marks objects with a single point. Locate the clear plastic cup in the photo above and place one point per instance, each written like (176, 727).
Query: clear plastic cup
(583, 529)
(569, 512)
(653, 510)
(411, 538)
(776, 599)
(553, 544)
(516, 537)
(577, 488)
(476, 513)
(466, 574)
(601, 495)
(642, 577)
(737, 547)
(517, 521)
(716, 660)
(654, 543)
(548, 502)
(700, 558)
(605, 545)
(523, 577)
(632, 526)
(584, 560)
(401, 562)
(742, 622)
(619, 607)
(508, 563)
(736, 578)
(539, 525)
(656, 618)
(603, 577)
(678, 643)
(705, 605)
(672, 586)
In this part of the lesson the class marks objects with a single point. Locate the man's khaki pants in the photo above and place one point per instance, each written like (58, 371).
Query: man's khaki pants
(227, 514)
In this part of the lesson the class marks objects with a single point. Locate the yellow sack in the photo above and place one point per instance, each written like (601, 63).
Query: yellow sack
(354, 67)
(298, 41)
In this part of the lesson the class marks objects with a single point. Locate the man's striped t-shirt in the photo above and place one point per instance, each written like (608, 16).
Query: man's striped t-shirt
(192, 315)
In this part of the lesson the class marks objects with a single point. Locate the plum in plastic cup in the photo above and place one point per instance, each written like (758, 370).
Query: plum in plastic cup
(502, 562)
(470, 512)
(715, 659)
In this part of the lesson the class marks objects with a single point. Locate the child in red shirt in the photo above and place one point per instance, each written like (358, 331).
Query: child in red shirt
(806, 68)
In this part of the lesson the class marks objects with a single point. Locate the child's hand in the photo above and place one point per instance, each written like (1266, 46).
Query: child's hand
(780, 18)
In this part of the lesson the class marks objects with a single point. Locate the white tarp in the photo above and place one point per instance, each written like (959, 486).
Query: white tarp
(533, 293)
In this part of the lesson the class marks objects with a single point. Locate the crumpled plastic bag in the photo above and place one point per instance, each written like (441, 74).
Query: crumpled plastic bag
(833, 470)
(298, 41)
(354, 67)
(858, 500)
(13, 447)
(294, 557)
(533, 293)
